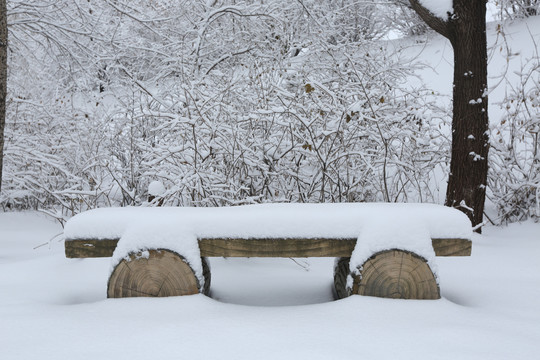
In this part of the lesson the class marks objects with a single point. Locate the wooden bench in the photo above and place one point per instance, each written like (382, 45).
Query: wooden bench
(394, 273)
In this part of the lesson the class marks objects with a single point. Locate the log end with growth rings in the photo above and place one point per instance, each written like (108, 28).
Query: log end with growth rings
(395, 274)
(161, 273)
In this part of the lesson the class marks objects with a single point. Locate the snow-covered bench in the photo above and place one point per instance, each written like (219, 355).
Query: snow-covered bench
(385, 250)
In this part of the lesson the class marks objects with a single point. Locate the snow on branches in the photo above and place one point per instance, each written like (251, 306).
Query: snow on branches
(223, 104)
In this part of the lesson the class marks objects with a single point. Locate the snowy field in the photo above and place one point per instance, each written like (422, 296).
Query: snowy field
(56, 308)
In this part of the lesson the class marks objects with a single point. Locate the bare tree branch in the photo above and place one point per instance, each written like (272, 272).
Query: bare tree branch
(434, 22)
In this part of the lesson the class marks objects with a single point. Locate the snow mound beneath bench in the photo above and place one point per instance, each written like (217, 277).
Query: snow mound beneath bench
(378, 227)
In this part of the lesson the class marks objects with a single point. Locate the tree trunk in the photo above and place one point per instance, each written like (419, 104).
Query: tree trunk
(3, 79)
(466, 30)
(470, 139)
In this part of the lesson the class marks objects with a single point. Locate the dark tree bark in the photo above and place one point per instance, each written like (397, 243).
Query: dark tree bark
(466, 30)
(3, 79)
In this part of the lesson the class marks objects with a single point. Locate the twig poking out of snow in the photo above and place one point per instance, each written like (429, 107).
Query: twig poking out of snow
(60, 237)
(304, 264)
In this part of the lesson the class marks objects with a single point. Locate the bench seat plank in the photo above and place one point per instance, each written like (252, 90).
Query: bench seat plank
(265, 247)
(276, 247)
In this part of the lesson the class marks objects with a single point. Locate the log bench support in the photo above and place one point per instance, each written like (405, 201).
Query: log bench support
(392, 273)
(158, 273)
(395, 274)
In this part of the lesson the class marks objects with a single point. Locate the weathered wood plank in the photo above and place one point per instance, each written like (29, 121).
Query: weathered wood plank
(452, 247)
(90, 248)
(216, 247)
(276, 247)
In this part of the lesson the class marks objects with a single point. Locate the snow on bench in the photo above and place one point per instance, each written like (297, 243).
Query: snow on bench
(363, 235)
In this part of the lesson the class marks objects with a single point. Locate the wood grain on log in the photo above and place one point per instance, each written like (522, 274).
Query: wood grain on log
(396, 274)
(225, 247)
(341, 273)
(162, 273)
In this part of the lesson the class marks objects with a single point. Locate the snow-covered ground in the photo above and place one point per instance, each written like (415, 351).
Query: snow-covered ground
(56, 308)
